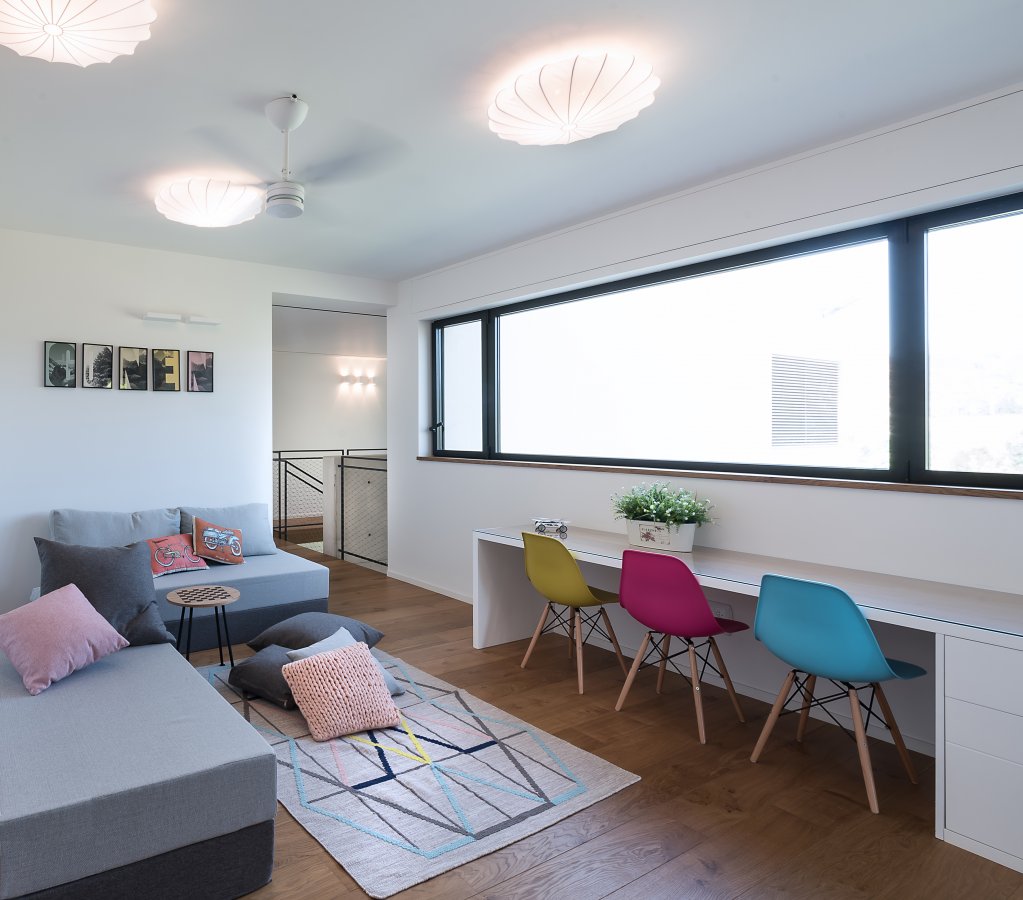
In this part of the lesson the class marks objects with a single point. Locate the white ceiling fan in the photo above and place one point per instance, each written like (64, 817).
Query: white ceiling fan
(285, 199)
(212, 202)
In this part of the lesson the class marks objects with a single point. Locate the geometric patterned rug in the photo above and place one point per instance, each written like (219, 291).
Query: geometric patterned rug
(455, 780)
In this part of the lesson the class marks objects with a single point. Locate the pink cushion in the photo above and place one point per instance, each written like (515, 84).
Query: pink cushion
(61, 632)
(341, 692)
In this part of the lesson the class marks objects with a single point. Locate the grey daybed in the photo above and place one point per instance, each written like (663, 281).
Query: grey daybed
(131, 778)
(273, 583)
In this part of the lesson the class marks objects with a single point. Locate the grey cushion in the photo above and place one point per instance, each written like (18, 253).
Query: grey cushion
(261, 675)
(308, 628)
(343, 638)
(93, 528)
(133, 756)
(118, 581)
(252, 519)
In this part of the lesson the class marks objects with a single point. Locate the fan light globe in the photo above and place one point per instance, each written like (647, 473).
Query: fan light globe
(209, 203)
(80, 32)
(573, 99)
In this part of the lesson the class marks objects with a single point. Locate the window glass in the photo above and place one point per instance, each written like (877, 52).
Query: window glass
(461, 394)
(974, 361)
(780, 363)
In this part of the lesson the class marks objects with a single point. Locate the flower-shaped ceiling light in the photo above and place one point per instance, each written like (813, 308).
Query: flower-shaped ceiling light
(209, 202)
(81, 32)
(573, 99)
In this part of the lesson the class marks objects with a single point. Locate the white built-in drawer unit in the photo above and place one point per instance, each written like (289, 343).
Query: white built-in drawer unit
(984, 748)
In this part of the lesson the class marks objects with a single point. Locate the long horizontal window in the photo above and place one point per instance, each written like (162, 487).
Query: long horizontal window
(885, 353)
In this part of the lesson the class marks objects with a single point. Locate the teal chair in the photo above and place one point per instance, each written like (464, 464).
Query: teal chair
(576, 606)
(820, 632)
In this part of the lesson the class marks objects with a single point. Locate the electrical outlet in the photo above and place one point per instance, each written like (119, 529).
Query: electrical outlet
(721, 610)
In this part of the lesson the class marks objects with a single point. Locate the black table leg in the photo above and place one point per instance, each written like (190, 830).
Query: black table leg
(181, 625)
(220, 643)
(227, 636)
(188, 643)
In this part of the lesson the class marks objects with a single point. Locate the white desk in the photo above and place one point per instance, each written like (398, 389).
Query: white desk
(978, 662)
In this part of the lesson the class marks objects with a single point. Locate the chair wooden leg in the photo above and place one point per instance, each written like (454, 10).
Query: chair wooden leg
(571, 632)
(694, 666)
(804, 713)
(773, 716)
(536, 634)
(727, 680)
(636, 663)
(665, 650)
(614, 640)
(579, 647)
(861, 745)
(900, 745)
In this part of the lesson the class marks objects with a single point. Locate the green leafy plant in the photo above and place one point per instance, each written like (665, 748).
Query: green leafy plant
(660, 502)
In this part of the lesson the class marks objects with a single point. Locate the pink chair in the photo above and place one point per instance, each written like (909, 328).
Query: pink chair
(661, 592)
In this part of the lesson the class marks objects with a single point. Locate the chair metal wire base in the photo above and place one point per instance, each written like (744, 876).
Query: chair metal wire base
(579, 623)
(698, 653)
(802, 684)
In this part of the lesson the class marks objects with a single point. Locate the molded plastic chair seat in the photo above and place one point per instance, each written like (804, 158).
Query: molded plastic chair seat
(731, 626)
(555, 574)
(662, 592)
(905, 670)
(819, 631)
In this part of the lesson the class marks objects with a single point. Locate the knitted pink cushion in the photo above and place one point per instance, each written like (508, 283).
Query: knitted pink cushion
(341, 692)
(48, 639)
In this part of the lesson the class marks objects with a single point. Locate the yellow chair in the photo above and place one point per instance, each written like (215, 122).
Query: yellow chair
(554, 572)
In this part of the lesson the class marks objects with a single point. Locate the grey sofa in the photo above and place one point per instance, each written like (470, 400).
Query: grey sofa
(131, 778)
(274, 584)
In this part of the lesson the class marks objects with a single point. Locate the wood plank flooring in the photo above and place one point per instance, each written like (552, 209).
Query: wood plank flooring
(703, 823)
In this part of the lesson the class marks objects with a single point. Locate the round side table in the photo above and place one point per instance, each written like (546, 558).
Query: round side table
(200, 597)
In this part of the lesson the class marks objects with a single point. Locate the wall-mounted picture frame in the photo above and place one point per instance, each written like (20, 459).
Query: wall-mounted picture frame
(60, 364)
(166, 370)
(133, 369)
(98, 366)
(199, 372)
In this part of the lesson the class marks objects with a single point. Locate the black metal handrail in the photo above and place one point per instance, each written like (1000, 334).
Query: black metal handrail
(345, 466)
(288, 470)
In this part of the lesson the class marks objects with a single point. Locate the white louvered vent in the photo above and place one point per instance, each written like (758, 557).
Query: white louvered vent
(804, 401)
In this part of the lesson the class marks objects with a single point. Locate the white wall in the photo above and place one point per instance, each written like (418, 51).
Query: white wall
(119, 450)
(313, 410)
(954, 155)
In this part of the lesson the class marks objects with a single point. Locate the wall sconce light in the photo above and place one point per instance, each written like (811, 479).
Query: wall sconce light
(357, 379)
(178, 317)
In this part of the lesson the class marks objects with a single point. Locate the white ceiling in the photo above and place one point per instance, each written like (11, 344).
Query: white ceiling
(398, 91)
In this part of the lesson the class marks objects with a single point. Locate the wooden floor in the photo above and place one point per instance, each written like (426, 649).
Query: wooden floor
(703, 823)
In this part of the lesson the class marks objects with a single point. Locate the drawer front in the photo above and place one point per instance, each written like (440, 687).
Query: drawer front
(982, 728)
(982, 796)
(985, 674)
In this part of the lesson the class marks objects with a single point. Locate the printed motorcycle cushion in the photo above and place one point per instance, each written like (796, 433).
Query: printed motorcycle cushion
(214, 542)
(173, 553)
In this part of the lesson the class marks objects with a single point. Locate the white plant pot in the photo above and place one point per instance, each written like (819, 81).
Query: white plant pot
(660, 536)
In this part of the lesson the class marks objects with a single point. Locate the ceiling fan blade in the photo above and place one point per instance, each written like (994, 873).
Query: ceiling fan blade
(233, 152)
(367, 154)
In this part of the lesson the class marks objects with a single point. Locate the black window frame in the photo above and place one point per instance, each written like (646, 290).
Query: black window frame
(906, 238)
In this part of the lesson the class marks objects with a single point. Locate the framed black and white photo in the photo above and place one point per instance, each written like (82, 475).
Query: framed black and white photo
(199, 371)
(97, 366)
(133, 369)
(60, 367)
(166, 370)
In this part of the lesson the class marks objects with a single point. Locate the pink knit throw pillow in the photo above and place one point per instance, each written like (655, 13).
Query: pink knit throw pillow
(341, 692)
(49, 638)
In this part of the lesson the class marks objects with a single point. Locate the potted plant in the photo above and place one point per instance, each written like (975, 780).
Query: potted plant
(661, 516)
